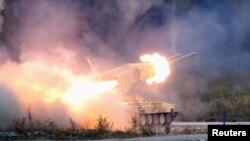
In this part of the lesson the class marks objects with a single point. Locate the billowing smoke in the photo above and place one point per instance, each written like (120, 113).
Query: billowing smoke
(43, 43)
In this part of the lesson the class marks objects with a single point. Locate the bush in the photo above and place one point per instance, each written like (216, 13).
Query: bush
(30, 120)
(19, 125)
(51, 126)
(147, 130)
(229, 97)
(138, 129)
(167, 129)
(28, 128)
(134, 125)
(103, 127)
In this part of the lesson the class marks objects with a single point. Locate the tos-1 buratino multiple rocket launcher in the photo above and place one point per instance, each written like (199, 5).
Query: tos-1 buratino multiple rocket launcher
(130, 73)
(153, 113)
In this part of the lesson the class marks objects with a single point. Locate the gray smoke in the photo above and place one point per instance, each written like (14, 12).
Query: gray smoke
(2, 6)
(9, 107)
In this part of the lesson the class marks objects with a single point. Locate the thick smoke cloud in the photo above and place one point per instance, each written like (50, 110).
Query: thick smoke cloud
(39, 35)
(9, 107)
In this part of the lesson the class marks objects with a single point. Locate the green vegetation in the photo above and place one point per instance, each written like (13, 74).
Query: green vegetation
(137, 128)
(231, 98)
(167, 129)
(191, 130)
(29, 128)
(103, 127)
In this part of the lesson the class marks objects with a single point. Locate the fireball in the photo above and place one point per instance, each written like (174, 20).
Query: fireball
(161, 67)
(83, 90)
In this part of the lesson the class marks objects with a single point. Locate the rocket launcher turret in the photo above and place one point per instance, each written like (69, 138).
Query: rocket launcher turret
(179, 57)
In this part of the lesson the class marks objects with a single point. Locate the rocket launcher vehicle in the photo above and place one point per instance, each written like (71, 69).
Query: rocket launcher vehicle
(153, 113)
(130, 73)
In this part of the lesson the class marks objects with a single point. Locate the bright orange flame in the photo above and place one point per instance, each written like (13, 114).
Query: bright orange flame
(53, 87)
(82, 90)
(161, 67)
(40, 82)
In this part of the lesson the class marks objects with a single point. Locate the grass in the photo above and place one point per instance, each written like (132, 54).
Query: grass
(29, 128)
